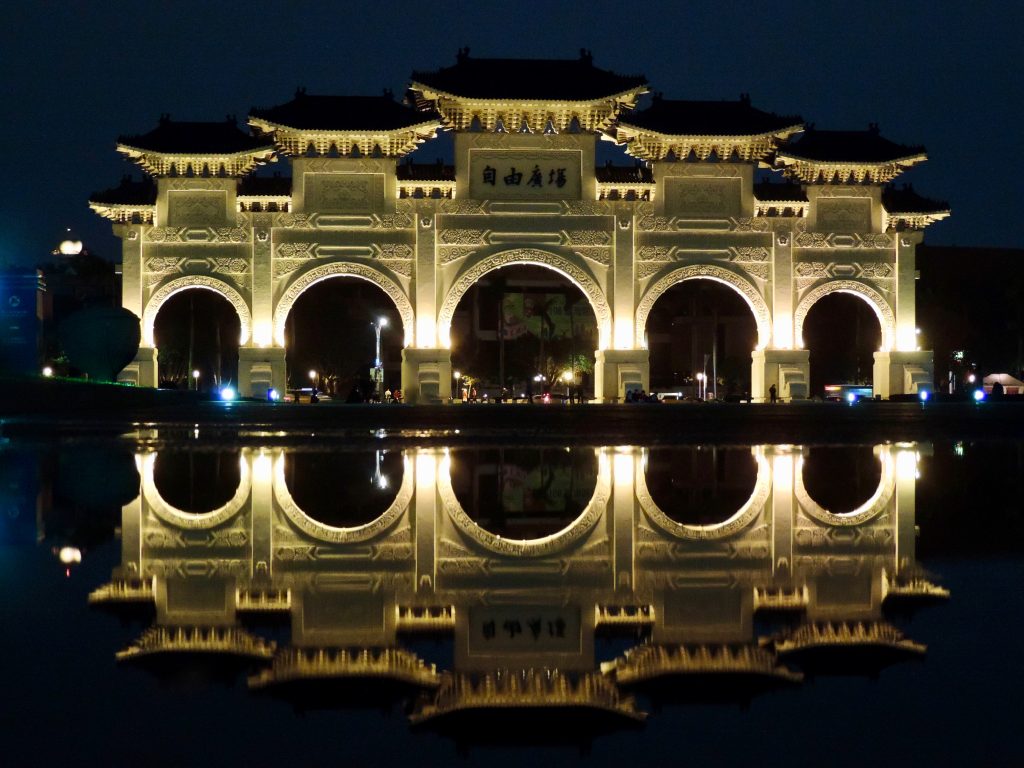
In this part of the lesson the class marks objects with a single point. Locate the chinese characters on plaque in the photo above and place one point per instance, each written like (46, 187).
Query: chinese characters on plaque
(524, 629)
(514, 178)
(501, 174)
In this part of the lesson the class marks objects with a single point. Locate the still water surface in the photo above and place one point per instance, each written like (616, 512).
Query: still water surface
(172, 601)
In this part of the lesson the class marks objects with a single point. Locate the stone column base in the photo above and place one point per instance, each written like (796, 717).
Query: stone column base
(903, 373)
(426, 375)
(619, 370)
(142, 371)
(788, 369)
(261, 369)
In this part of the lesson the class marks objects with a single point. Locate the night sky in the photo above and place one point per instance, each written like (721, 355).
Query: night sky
(75, 75)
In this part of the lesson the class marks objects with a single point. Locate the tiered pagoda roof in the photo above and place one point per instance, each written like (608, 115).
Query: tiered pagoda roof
(348, 125)
(130, 201)
(786, 192)
(295, 664)
(843, 157)
(672, 129)
(196, 148)
(540, 95)
(906, 209)
(426, 172)
(650, 662)
(624, 174)
(265, 186)
(525, 689)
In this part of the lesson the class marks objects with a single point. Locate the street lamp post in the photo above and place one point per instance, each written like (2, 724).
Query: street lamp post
(378, 367)
(701, 388)
(458, 392)
(567, 378)
(195, 379)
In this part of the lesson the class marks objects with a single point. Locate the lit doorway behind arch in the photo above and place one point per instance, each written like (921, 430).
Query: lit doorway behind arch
(523, 327)
(700, 326)
(330, 333)
(197, 330)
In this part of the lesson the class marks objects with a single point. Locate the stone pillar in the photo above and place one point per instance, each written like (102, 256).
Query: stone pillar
(788, 369)
(904, 498)
(262, 281)
(782, 510)
(426, 375)
(142, 370)
(902, 373)
(616, 370)
(425, 507)
(623, 513)
(261, 505)
(260, 369)
(782, 295)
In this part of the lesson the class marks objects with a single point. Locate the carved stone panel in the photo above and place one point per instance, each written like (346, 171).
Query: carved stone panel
(343, 192)
(194, 208)
(844, 214)
(702, 197)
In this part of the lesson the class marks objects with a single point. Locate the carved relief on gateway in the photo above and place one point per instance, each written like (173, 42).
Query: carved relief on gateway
(843, 214)
(703, 197)
(807, 273)
(196, 208)
(343, 192)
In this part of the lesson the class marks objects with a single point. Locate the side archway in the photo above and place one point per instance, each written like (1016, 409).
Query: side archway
(877, 302)
(743, 286)
(179, 284)
(576, 274)
(344, 269)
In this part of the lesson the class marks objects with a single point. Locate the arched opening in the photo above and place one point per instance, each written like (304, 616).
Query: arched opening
(701, 326)
(197, 482)
(841, 478)
(523, 493)
(343, 489)
(701, 485)
(842, 332)
(524, 330)
(197, 330)
(330, 337)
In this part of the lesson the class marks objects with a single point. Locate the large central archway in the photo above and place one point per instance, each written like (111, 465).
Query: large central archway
(572, 271)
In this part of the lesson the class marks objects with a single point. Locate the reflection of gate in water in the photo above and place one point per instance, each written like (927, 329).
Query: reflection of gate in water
(354, 594)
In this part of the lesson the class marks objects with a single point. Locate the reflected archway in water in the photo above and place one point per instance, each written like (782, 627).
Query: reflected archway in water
(845, 485)
(700, 486)
(343, 497)
(197, 482)
(702, 500)
(204, 518)
(524, 501)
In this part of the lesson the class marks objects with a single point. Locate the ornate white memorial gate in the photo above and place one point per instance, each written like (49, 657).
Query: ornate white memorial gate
(525, 190)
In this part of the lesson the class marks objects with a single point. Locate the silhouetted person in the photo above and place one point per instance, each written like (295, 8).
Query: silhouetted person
(997, 390)
(773, 393)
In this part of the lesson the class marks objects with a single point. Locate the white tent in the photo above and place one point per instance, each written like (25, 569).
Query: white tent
(1011, 386)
